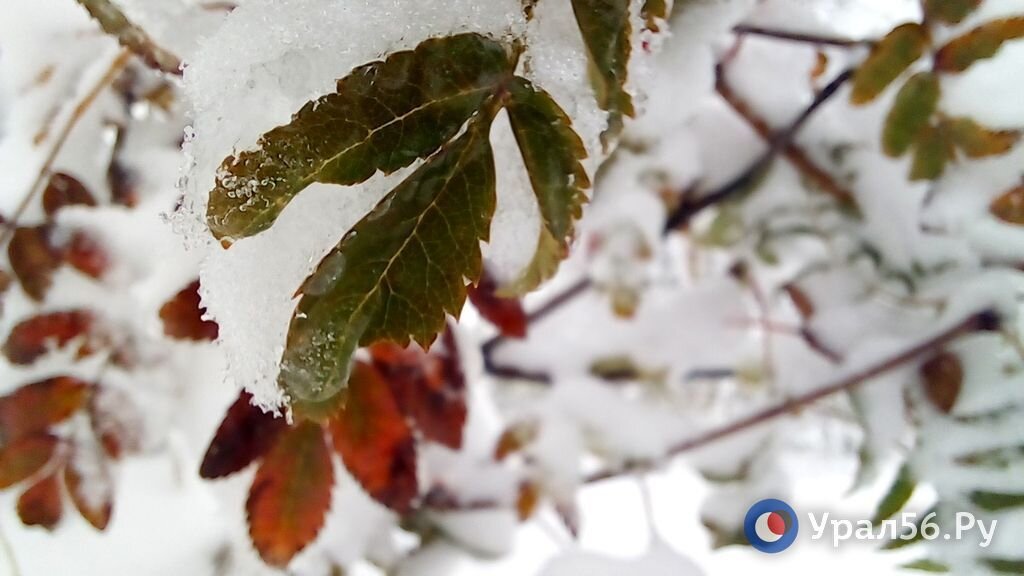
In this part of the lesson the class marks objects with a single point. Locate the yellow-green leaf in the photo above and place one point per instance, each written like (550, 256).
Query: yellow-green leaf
(978, 44)
(384, 116)
(950, 11)
(606, 33)
(996, 501)
(552, 153)
(915, 103)
(889, 58)
(976, 141)
(897, 496)
(931, 152)
(398, 271)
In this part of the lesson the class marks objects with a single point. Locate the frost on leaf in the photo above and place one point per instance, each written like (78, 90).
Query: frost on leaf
(890, 58)
(290, 494)
(90, 485)
(244, 436)
(978, 44)
(606, 33)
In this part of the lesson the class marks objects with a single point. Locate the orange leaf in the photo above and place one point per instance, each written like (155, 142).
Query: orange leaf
(374, 440)
(527, 500)
(21, 459)
(41, 504)
(505, 313)
(35, 407)
(291, 494)
(88, 480)
(1010, 206)
(31, 338)
(943, 377)
(244, 436)
(65, 190)
(430, 388)
(33, 260)
(183, 316)
(978, 44)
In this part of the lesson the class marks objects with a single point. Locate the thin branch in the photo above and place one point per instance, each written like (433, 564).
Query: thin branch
(986, 320)
(113, 21)
(801, 37)
(76, 115)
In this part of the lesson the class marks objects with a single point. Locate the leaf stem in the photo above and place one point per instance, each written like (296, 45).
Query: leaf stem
(985, 320)
(114, 22)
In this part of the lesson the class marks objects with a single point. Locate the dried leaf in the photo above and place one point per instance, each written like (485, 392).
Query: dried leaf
(33, 337)
(887, 61)
(35, 407)
(430, 389)
(932, 151)
(942, 376)
(398, 271)
(33, 259)
(41, 504)
(65, 190)
(950, 11)
(245, 435)
(23, 458)
(606, 33)
(375, 442)
(976, 141)
(383, 117)
(1009, 207)
(183, 316)
(89, 483)
(915, 103)
(506, 314)
(291, 494)
(980, 43)
(87, 255)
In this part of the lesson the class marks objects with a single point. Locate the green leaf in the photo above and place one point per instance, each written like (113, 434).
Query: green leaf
(978, 44)
(654, 12)
(552, 153)
(950, 11)
(1005, 565)
(996, 501)
(397, 272)
(383, 117)
(606, 33)
(976, 141)
(899, 493)
(927, 566)
(889, 58)
(932, 150)
(915, 103)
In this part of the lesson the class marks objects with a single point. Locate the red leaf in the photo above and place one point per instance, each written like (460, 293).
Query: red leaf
(88, 480)
(505, 313)
(183, 316)
(22, 459)
(33, 260)
(35, 407)
(244, 436)
(31, 338)
(65, 190)
(430, 388)
(374, 440)
(291, 494)
(87, 255)
(41, 504)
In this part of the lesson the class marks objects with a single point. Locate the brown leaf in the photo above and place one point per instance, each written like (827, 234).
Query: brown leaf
(505, 313)
(978, 44)
(183, 316)
(65, 190)
(33, 259)
(35, 407)
(86, 254)
(32, 338)
(291, 494)
(527, 500)
(21, 459)
(88, 480)
(245, 435)
(374, 440)
(430, 388)
(41, 504)
(942, 376)
(514, 438)
(976, 141)
(1010, 206)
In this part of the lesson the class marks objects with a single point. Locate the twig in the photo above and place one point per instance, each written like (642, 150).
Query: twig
(801, 37)
(113, 21)
(80, 109)
(985, 320)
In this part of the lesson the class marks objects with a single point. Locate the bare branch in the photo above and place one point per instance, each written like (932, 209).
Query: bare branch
(114, 22)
